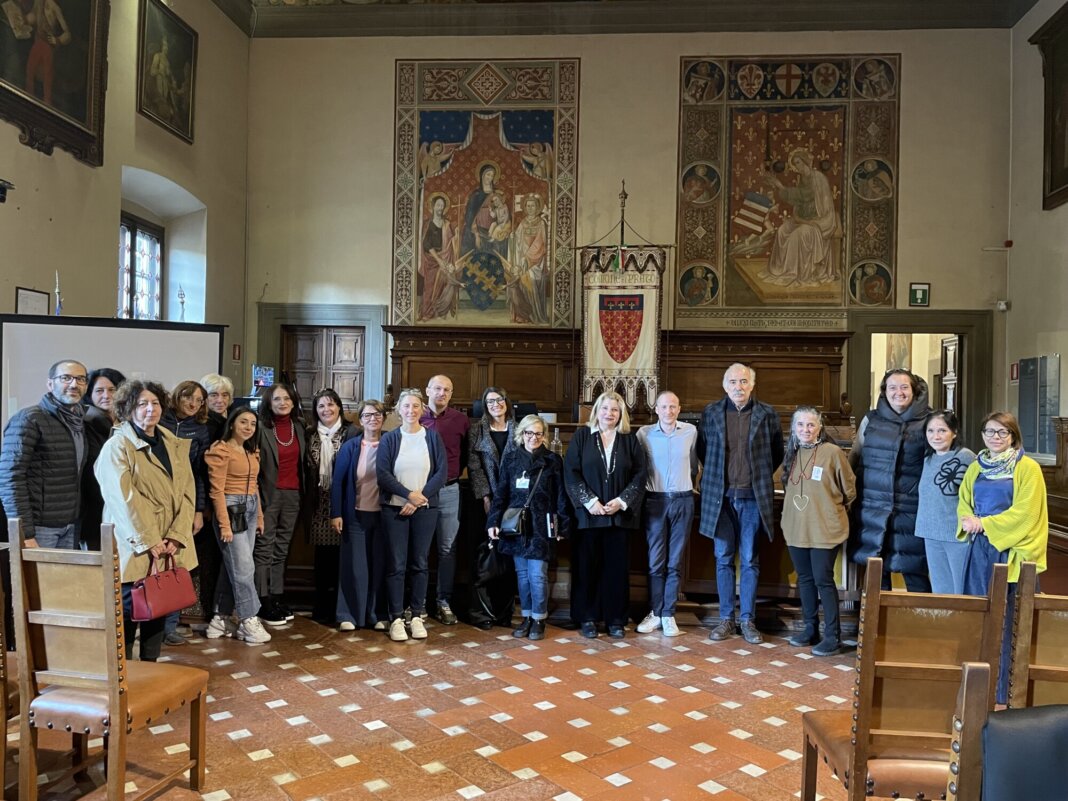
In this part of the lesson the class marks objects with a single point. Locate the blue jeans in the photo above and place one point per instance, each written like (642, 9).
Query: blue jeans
(362, 569)
(235, 592)
(65, 537)
(667, 525)
(448, 526)
(978, 570)
(409, 539)
(745, 515)
(945, 564)
(533, 575)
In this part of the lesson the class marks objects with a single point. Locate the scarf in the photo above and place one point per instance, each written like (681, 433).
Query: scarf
(73, 417)
(998, 466)
(326, 453)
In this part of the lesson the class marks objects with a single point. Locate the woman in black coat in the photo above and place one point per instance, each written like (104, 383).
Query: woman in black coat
(605, 478)
(488, 442)
(531, 475)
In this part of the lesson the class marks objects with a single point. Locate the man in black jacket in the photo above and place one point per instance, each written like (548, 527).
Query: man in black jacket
(42, 456)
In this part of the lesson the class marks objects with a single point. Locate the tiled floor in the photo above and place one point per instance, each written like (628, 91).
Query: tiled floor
(466, 714)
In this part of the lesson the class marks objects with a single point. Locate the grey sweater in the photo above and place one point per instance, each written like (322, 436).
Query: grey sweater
(936, 517)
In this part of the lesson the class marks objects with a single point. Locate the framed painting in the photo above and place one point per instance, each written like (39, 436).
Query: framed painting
(53, 62)
(1052, 41)
(166, 69)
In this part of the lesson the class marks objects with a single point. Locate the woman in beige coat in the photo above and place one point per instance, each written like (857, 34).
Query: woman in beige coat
(149, 494)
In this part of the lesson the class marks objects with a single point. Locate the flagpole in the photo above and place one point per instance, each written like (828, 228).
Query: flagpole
(622, 222)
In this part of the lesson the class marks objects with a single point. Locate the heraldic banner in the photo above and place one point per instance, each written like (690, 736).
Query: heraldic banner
(621, 290)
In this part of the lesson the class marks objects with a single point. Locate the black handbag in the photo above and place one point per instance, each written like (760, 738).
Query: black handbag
(516, 520)
(236, 512)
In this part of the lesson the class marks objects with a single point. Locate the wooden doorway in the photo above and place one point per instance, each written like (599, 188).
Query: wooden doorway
(325, 356)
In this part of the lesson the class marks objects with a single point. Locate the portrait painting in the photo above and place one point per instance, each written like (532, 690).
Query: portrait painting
(1052, 41)
(493, 219)
(786, 184)
(53, 55)
(166, 69)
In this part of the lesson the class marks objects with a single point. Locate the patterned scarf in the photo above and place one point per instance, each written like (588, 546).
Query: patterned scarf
(998, 466)
(326, 453)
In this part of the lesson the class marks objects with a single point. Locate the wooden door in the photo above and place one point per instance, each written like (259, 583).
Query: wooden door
(319, 356)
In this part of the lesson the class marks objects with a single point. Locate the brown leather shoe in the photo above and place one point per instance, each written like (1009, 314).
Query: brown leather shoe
(724, 630)
(749, 631)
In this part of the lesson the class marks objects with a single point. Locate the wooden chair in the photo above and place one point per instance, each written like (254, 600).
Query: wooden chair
(1039, 672)
(9, 684)
(926, 676)
(73, 673)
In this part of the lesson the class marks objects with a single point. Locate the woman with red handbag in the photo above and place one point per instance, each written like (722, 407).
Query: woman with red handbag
(149, 494)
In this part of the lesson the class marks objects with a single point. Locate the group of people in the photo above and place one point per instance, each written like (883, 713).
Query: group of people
(161, 465)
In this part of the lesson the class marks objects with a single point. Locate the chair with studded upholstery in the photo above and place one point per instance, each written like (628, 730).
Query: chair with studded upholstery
(1039, 673)
(925, 678)
(73, 674)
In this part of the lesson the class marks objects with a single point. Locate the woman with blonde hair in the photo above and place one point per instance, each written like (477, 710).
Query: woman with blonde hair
(604, 473)
(411, 467)
(531, 476)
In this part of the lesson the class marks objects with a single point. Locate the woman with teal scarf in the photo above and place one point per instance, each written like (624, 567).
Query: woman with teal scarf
(1003, 518)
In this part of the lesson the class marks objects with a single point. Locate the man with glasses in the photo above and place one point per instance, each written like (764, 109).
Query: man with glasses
(43, 454)
(887, 457)
(452, 426)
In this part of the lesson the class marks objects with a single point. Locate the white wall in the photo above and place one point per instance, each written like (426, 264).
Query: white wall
(320, 158)
(65, 214)
(1038, 322)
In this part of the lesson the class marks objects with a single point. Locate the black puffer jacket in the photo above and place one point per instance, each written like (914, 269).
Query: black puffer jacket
(200, 439)
(39, 470)
(888, 485)
(549, 499)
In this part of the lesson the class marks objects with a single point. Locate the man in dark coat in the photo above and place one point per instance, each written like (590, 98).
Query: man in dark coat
(740, 441)
(42, 458)
(887, 457)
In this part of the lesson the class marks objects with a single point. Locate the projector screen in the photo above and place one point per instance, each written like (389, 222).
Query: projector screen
(163, 352)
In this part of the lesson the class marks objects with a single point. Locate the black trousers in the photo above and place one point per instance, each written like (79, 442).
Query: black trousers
(151, 630)
(815, 585)
(600, 586)
(914, 582)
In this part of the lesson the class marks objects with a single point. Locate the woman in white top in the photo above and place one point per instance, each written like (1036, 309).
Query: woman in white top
(411, 469)
(355, 515)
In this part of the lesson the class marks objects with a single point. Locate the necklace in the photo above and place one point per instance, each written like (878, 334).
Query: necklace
(288, 442)
(800, 499)
(609, 465)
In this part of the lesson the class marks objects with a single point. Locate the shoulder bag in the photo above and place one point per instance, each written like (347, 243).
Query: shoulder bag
(517, 521)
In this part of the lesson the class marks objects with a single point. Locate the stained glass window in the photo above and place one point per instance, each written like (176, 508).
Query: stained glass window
(140, 290)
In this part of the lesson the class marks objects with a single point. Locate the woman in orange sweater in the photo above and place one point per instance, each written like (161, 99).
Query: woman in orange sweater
(233, 467)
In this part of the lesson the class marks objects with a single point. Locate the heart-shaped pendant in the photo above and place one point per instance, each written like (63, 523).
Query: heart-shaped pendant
(800, 502)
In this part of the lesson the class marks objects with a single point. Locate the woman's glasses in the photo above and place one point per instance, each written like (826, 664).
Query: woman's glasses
(534, 434)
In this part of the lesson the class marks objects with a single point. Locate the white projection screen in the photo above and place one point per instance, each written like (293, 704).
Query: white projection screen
(164, 352)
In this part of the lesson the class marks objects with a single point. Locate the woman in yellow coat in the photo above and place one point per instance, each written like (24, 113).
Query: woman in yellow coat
(1003, 517)
(149, 494)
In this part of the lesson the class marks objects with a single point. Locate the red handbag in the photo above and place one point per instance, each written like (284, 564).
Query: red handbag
(162, 591)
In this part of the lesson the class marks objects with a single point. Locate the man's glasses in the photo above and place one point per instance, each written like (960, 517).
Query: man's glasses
(995, 433)
(80, 380)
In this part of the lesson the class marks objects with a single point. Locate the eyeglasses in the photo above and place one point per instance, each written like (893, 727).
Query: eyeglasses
(496, 401)
(80, 380)
(371, 416)
(995, 433)
(534, 434)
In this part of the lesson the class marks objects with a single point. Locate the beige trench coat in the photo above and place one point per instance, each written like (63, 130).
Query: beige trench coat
(145, 503)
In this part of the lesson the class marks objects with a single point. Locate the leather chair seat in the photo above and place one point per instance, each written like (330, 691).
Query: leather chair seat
(153, 689)
(904, 771)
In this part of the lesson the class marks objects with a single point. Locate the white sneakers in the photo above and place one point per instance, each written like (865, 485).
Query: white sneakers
(220, 627)
(653, 622)
(397, 631)
(418, 629)
(346, 625)
(650, 624)
(252, 631)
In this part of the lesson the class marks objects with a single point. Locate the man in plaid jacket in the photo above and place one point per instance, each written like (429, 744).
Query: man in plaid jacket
(740, 441)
